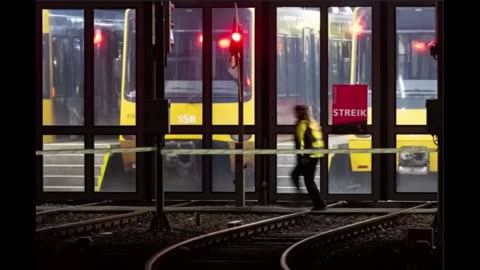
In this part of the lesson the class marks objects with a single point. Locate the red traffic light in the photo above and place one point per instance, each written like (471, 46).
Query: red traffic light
(236, 36)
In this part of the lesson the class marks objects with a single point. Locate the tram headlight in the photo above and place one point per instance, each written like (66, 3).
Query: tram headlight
(246, 137)
(413, 159)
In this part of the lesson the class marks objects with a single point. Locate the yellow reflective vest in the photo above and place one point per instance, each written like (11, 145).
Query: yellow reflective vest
(309, 136)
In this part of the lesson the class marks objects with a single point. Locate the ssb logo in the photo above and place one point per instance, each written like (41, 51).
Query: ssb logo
(186, 119)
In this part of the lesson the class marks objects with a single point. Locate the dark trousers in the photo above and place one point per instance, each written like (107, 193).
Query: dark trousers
(307, 169)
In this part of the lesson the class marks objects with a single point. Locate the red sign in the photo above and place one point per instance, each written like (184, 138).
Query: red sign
(349, 104)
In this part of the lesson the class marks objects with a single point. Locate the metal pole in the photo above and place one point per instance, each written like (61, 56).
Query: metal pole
(239, 173)
(160, 222)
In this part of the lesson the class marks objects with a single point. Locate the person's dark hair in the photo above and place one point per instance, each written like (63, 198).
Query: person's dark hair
(302, 112)
(301, 108)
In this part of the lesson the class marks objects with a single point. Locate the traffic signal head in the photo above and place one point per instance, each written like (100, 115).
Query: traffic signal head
(236, 41)
(236, 36)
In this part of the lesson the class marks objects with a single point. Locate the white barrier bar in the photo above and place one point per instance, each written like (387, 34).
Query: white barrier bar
(411, 149)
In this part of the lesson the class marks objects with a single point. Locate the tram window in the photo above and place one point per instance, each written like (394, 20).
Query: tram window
(292, 64)
(65, 66)
(58, 65)
(281, 67)
(46, 88)
(109, 30)
(224, 86)
(298, 61)
(350, 50)
(364, 60)
(130, 86)
(183, 74)
(78, 67)
(224, 79)
(182, 65)
(117, 57)
(416, 63)
(416, 68)
(339, 53)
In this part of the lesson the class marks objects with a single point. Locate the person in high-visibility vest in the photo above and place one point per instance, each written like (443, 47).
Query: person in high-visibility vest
(308, 135)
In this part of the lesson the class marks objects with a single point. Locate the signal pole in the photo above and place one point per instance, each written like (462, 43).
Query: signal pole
(236, 62)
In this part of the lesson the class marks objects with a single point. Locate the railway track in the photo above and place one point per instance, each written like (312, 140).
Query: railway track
(194, 250)
(103, 219)
(260, 245)
(301, 254)
(41, 215)
(90, 225)
(71, 207)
